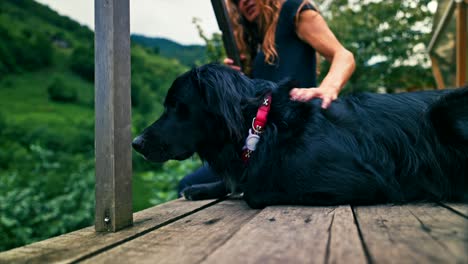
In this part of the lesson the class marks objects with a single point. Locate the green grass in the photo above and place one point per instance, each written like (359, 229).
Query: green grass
(24, 97)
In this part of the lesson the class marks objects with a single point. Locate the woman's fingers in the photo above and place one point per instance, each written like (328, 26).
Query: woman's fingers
(326, 101)
(304, 94)
(237, 68)
(307, 94)
(229, 62)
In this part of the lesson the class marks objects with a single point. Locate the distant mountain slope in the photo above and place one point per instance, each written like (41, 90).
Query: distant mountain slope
(186, 54)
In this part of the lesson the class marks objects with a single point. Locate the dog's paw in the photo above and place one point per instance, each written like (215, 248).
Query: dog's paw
(194, 193)
(204, 191)
(185, 195)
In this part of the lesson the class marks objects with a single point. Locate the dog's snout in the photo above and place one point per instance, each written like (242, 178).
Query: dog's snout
(138, 143)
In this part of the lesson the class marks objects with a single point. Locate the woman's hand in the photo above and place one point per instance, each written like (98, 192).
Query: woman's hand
(230, 62)
(313, 30)
(327, 95)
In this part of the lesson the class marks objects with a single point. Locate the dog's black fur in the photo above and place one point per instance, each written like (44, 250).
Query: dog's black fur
(365, 148)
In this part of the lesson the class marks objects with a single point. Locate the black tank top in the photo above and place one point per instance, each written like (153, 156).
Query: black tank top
(296, 59)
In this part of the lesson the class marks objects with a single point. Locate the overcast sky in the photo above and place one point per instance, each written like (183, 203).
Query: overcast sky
(170, 19)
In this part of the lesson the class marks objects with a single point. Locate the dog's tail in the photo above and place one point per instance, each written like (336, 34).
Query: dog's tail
(449, 118)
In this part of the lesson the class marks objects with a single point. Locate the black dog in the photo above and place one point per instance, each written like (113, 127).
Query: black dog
(365, 148)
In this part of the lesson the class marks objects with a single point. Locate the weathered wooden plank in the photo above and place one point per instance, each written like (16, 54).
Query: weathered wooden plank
(294, 234)
(79, 244)
(188, 240)
(345, 244)
(113, 116)
(421, 233)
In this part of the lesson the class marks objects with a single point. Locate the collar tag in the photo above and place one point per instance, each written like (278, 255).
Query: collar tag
(251, 141)
(258, 124)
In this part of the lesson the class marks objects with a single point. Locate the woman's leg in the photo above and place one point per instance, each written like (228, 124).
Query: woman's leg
(202, 175)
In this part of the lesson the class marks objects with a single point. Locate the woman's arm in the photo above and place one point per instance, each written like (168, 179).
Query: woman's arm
(313, 30)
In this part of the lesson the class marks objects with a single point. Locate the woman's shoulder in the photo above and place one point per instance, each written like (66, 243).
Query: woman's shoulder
(291, 8)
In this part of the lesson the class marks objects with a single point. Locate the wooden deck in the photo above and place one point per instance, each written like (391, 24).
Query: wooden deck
(227, 231)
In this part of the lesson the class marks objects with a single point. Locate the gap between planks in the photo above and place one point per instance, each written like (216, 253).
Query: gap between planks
(458, 208)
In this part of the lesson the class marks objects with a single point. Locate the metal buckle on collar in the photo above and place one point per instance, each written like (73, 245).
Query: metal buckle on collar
(257, 129)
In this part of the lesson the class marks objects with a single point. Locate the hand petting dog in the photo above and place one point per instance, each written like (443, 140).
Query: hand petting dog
(327, 94)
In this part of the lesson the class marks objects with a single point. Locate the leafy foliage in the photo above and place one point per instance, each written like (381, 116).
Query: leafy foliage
(165, 182)
(388, 40)
(40, 208)
(23, 52)
(214, 44)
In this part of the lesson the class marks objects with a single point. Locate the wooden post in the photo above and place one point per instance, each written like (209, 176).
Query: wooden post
(461, 43)
(437, 73)
(113, 115)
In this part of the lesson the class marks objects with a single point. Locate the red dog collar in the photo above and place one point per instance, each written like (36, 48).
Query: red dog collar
(258, 124)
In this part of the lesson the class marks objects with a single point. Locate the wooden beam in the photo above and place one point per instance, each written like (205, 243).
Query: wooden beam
(442, 23)
(113, 115)
(461, 43)
(437, 74)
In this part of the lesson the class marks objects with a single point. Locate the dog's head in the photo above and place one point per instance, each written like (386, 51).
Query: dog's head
(202, 107)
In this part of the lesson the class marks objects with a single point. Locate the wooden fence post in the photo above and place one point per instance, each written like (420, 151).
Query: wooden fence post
(113, 115)
(461, 42)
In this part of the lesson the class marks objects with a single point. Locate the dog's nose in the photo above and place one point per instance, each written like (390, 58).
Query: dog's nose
(138, 144)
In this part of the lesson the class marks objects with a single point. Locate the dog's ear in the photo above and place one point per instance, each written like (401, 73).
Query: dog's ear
(291, 114)
(284, 87)
(223, 91)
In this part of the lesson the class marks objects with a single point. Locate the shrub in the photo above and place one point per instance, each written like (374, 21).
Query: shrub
(43, 51)
(59, 91)
(30, 211)
(3, 123)
(82, 62)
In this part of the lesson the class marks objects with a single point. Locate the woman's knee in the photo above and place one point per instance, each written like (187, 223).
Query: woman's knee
(202, 175)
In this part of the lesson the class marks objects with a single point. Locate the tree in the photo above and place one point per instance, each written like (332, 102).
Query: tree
(388, 39)
(214, 45)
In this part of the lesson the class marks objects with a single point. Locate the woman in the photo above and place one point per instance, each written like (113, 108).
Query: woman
(279, 39)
